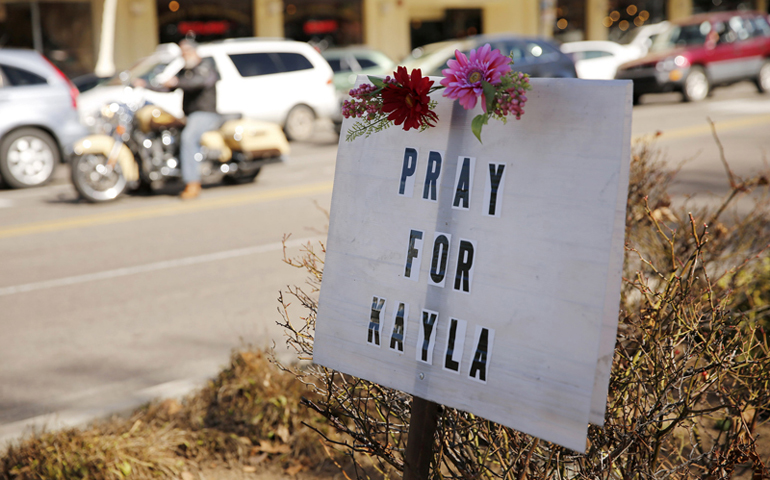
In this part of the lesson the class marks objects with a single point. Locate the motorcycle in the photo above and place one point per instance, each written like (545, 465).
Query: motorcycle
(138, 147)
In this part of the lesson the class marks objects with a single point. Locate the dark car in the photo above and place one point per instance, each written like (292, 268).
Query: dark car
(537, 57)
(702, 52)
(88, 81)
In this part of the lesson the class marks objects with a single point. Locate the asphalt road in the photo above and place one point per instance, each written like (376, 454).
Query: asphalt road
(105, 306)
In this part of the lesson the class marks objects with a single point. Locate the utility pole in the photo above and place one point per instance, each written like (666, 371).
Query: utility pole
(105, 64)
(37, 28)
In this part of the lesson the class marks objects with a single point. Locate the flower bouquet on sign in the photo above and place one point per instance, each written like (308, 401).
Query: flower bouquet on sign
(404, 99)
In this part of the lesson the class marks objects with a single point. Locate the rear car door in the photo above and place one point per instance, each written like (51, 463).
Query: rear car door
(22, 87)
(255, 86)
(266, 85)
(724, 62)
(751, 44)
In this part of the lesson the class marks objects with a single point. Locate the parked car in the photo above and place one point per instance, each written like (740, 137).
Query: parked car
(597, 59)
(642, 38)
(349, 62)
(704, 51)
(535, 56)
(280, 81)
(38, 118)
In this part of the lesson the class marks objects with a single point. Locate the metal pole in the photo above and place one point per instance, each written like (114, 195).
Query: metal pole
(419, 443)
(37, 28)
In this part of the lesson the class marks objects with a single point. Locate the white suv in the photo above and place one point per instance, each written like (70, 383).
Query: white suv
(275, 80)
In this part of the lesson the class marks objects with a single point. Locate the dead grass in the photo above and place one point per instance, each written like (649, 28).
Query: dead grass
(248, 419)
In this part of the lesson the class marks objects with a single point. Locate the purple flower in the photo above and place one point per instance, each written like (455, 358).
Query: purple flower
(464, 76)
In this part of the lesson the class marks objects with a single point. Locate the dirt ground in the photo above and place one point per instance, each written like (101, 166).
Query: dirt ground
(268, 473)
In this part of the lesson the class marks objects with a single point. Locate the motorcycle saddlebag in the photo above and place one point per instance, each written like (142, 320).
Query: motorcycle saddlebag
(255, 138)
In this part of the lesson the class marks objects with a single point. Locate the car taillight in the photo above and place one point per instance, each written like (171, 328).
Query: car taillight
(74, 92)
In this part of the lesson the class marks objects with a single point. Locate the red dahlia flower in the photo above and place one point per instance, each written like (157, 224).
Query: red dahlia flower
(406, 100)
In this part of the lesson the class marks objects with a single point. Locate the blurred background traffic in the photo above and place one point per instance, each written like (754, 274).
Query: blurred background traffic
(58, 57)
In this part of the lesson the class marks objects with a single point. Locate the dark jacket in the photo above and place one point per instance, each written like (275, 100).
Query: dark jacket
(199, 87)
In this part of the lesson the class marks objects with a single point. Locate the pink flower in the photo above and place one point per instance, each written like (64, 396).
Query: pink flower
(463, 77)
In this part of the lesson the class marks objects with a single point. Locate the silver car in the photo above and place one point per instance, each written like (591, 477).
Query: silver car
(38, 118)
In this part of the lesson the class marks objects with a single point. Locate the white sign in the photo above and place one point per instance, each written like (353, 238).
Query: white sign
(485, 277)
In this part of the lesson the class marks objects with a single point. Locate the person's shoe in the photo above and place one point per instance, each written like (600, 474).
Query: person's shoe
(191, 190)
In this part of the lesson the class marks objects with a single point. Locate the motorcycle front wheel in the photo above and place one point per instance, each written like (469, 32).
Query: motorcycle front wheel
(94, 180)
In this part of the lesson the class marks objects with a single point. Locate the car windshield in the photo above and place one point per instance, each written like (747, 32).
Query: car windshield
(146, 69)
(682, 36)
(629, 36)
(421, 56)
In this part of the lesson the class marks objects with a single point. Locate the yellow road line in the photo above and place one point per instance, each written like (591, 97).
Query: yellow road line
(705, 128)
(106, 218)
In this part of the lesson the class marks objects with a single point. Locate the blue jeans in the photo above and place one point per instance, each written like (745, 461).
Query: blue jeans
(198, 123)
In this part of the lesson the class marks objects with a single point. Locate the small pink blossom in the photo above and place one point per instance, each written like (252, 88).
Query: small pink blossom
(464, 76)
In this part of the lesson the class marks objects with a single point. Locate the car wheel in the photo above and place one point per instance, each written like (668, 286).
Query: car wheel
(696, 85)
(300, 123)
(763, 79)
(28, 157)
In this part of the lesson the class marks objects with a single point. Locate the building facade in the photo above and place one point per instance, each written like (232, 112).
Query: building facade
(71, 32)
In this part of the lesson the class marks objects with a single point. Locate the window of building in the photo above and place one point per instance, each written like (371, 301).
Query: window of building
(62, 31)
(456, 23)
(570, 20)
(205, 20)
(703, 6)
(625, 16)
(324, 23)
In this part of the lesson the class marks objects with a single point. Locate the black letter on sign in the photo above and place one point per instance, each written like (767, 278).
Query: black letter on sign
(494, 183)
(454, 345)
(425, 353)
(407, 171)
(397, 337)
(480, 358)
(413, 252)
(439, 259)
(463, 185)
(432, 175)
(378, 304)
(464, 274)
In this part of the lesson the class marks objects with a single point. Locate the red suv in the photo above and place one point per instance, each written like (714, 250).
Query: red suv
(702, 52)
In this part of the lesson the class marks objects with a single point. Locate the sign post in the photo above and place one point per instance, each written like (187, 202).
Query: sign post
(419, 443)
(484, 276)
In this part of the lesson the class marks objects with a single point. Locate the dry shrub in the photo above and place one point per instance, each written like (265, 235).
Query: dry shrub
(250, 416)
(688, 394)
